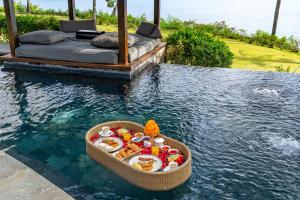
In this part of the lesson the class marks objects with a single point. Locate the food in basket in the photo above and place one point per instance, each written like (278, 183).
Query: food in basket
(128, 151)
(176, 158)
(110, 142)
(173, 151)
(134, 147)
(159, 141)
(121, 131)
(137, 139)
(165, 148)
(137, 166)
(146, 163)
(94, 137)
(106, 133)
(151, 129)
(139, 134)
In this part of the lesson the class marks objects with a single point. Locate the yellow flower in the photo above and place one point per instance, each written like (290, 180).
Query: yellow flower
(151, 129)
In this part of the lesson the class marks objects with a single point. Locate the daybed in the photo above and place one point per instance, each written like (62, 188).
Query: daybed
(82, 51)
(73, 54)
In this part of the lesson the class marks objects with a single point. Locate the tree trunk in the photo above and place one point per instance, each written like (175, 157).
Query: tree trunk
(94, 10)
(28, 6)
(114, 12)
(276, 15)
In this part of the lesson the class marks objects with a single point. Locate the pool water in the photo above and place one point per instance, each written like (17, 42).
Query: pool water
(242, 127)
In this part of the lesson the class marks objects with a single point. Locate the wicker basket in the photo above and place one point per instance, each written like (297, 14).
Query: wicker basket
(155, 181)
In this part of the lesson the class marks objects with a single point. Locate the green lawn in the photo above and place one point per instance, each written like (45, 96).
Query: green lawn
(247, 56)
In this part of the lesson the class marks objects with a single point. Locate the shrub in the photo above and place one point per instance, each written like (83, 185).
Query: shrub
(193, 47)
(282, 69)
(29, 23)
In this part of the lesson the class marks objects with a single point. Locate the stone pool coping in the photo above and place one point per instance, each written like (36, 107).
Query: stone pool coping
(18, 181)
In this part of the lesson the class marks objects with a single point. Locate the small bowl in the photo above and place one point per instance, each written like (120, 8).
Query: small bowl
(139, 134)
(106, 133)
(147, 144)
(165, 148)
(146, 138)
(173, 151)
(159, 141)
(104, 128)
(137, 139)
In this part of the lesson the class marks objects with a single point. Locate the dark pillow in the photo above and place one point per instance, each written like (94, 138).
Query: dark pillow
(145, 29)
(111, 41)
(149, 30)
(42, 37)
(156, 33)
(73, 26)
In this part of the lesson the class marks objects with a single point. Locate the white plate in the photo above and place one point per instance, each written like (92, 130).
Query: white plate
(118, 140)
(157, 162)
(106, 133)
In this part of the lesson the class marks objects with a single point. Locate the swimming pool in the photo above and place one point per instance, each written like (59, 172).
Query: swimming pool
(242, 127)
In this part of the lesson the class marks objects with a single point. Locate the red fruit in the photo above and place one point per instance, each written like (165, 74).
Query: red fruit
(180, 160)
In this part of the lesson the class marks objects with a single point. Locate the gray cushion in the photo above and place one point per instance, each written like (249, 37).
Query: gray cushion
(73, 26)
(156, 33)
(145, 45)
(111, 41)
(68, 50)
(149, 30)
(42, 37)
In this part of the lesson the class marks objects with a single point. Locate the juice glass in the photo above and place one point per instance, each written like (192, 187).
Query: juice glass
(127, 136)
(155, 150)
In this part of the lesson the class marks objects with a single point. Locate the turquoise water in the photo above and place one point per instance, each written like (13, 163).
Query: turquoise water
(242, 127)
(249, 15)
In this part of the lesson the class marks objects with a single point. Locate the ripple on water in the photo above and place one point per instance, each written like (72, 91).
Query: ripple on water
(242, 128)
(266, 92)
(288, 145)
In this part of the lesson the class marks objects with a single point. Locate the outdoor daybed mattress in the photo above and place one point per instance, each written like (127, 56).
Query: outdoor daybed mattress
(81, 51)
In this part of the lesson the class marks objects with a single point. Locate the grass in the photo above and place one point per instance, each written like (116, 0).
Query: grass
(247, 56)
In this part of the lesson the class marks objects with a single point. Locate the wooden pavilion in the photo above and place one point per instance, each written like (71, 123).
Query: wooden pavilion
(124, 68)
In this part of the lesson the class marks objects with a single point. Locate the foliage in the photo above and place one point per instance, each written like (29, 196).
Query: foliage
(283, 69)
(259, 38)
(194, 47)
(29, 23)
(111, 3)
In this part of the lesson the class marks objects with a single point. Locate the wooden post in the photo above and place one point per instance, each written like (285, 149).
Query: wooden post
(71, 8)
(122, 32)
(11, 25)
(157, 12)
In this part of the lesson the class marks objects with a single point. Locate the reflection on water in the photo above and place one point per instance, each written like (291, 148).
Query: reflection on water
(242, 128)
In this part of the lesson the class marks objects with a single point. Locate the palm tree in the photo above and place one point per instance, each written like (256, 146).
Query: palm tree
(276, 15)
(112, 4)
(94, 10)
(28, 6)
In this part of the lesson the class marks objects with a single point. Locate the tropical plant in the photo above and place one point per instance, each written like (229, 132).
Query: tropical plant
(190, 46)
(280, 68)
(112, 4)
